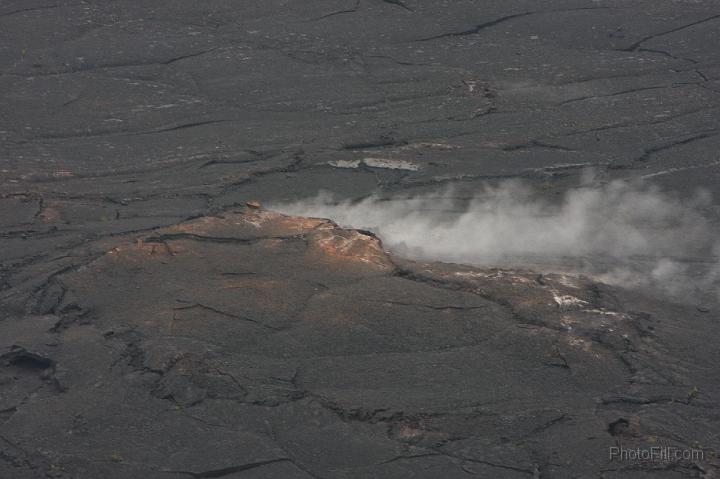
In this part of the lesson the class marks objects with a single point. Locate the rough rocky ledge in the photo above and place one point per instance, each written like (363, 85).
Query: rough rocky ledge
(257, 345)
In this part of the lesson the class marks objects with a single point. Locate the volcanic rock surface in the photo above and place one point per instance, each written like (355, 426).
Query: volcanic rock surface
(156, 322)
(257, 343)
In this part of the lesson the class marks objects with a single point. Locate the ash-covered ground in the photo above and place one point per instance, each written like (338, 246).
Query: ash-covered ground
(519, 280)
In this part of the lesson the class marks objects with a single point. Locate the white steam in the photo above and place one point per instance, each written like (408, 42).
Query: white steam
(623, 233)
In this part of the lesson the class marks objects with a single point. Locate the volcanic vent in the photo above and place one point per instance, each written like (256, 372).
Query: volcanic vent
(258, 340)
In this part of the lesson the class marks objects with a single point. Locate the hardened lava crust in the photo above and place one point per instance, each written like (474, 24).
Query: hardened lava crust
(254, 344)
(156, 321)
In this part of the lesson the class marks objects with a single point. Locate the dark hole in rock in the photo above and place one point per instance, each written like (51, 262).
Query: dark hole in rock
(618, 427)
(27, 360)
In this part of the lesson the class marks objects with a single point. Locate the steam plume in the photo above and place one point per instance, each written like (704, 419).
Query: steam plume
(631, 234)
